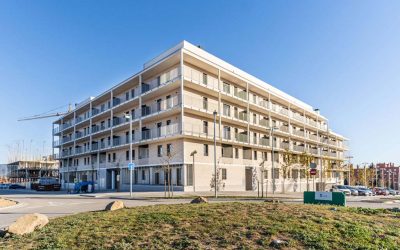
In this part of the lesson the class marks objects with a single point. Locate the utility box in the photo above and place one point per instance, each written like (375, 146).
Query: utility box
(329, 198)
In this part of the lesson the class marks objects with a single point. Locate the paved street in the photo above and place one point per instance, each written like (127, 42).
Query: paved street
(60, 204)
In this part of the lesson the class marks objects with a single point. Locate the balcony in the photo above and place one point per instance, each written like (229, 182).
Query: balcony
(159, 132)
(264, 141)
(116, 101)
(313, 137)
(284, 128)
(241, 116)
(284, 111)
(298, 117)
(143, 153)
(198, 103)
(160, 80)
(67, 139)
(240, 94)
(264, 104)
(200, 78)
(298, 132)
(264, 122)
(240, 137)
(284, 145)
(66, 125)
(313, 151)
(78, 135)
(299, 148)
(164, 105)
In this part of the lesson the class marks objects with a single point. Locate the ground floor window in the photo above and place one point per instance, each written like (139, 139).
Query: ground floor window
(223, 173)
(189, 174)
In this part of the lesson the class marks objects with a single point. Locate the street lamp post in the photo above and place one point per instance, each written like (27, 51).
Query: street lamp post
(271, 135)
(193, 171)
(215, 154)
(129, 116)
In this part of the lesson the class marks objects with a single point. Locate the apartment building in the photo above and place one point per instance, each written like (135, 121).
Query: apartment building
(169, 105)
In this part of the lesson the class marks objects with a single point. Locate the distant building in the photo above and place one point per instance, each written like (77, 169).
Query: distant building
(31, 170)
(388, 175)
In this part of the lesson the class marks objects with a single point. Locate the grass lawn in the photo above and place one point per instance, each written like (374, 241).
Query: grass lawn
(222, 225)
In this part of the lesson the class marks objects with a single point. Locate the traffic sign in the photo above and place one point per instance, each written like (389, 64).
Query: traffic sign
(131, 166)
(313, 165)
(313, 171)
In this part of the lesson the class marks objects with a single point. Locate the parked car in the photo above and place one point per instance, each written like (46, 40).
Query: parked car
(381, 191)
(4, 185)
(353, 190)
(362, 191)
(392, 191)
(16, 186)
(341, 188)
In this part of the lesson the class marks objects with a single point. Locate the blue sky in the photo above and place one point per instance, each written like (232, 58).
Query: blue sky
(339, 56)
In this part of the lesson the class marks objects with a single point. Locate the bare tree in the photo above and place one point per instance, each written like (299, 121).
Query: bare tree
(166, 161)
(220, 182)
(305, 160)
(288, 159)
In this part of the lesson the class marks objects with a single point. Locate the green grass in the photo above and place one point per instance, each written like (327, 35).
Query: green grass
(223, 225)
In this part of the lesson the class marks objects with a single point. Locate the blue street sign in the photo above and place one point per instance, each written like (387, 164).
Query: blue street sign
(313, 165)
(131, 166)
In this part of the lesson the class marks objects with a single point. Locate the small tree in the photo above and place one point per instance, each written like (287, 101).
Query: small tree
(305, 160)
(288, 160)
(166, 161)
(220, 182)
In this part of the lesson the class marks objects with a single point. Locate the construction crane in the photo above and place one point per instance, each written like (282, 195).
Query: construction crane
(47, 114)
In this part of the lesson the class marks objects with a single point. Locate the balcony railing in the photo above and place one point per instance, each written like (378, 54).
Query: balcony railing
(264, 141)
(298, 148)
(240, 94)
(264, 122)
(241, 137)
(284, 145)
(298, 132)
(163, 131)
(284, 128)
(161, 80)
(161, 106)
(313, 137)
(198, 77)
(198, 103)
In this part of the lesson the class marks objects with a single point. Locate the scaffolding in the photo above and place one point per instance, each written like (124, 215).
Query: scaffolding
(29, 171)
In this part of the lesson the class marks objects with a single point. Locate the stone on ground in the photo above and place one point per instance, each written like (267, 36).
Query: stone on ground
(6, 203)
(115, 205)
(199, 200)
(28, 223)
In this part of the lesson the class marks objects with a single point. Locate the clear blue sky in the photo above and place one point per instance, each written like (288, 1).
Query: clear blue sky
(342, 57)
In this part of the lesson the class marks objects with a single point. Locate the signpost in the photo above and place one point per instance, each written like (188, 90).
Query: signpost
(131, 166)
(313, 172)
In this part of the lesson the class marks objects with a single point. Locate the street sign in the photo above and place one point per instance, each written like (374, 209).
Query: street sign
(313, 165)
(131, 166)
(313, 171)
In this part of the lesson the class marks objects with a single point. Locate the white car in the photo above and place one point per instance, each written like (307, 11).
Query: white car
(340, 188)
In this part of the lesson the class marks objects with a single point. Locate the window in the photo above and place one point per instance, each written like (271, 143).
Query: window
(227, 110)
(169, 149)
(127, 96)
(205, 127)
(205, 78)
(143, 175)
(132, 93)
(169, 101)
(265, 156)
(236, 153)
(189, 174)
(255, 155)
(227, 88)
(133, 154)
(276, 157)
(227, 133)
(109, 157)
(255, 138)
(205, 103)
(254, 98)
(265, 174)
(276, 173)
(114, 157)
(159, 105)
(254, 118)
(159, 151)
(127, 155)
(223, 173)
(205, 149)
(227, 151)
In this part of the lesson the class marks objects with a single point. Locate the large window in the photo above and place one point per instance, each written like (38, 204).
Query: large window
(205, 127)
(227, 133)
(227, 110)
(227, 88)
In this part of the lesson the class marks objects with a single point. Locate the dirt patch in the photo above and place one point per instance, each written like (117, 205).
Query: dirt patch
(7, 203)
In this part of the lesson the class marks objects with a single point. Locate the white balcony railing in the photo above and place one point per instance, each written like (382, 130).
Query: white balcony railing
(201, 78)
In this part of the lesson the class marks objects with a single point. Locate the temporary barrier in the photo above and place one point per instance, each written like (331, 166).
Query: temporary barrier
(331, 198)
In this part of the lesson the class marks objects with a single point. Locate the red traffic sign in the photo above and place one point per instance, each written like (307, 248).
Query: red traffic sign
(313, 171)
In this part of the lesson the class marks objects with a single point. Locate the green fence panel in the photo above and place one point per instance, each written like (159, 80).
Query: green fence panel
(330, 198)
